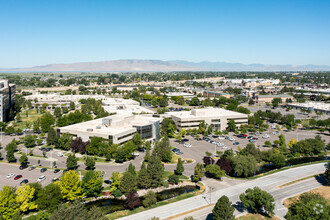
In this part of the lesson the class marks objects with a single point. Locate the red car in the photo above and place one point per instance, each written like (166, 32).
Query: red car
(18, 177)
(244, 135)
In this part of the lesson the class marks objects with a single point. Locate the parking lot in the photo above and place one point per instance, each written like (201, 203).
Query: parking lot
(198, 148)
(31, 175)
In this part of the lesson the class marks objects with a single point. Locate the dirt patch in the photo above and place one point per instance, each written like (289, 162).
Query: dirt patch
(324, 191)
(256, 217)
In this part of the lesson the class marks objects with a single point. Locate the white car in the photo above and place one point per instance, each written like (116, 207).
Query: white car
(59, 154)
(10, 175)
(232, 139)
(42, 178)
(44, 142)
(224, 147)
(221, 137)
(265, 136)
(187, 145)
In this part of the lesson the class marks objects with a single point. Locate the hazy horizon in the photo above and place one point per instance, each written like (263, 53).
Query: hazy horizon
(281, 32)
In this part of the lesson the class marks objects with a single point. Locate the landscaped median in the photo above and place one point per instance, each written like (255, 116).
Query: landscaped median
(200, 190)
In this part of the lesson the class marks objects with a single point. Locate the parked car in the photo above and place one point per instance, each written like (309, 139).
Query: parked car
(32, 168)
(224, 147)
(42, 178)
(232, 139)
(10, 175)
(54, 179)
(107, 182)
(57, 170)
(244, 135)
(252, 140)
(221, 137)
(22, 167)
(250, 137)
(59, 154)
(236, 143)
(18, 177)
(43, 170)
(25, 181)
(187, 145)
(276, 132)
(265, 136)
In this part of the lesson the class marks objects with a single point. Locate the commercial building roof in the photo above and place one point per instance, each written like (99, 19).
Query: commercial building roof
(207, 112)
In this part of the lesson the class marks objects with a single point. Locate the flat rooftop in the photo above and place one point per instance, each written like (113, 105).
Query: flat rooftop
(207, 113)
(118, 124)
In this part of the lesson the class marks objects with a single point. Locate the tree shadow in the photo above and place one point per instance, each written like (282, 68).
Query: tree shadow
(321, 179)
(239, 206)
(209, 217)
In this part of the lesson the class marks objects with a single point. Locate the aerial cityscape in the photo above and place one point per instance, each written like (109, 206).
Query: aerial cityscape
(176, 110)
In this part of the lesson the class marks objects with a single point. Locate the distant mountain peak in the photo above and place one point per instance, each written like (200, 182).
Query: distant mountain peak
(138, 65)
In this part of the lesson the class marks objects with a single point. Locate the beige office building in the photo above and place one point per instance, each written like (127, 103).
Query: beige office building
(217, 117)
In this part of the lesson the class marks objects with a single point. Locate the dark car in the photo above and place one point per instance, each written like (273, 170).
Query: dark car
(107, 182)
(64, 171)
(236, 143)
(43, 170)
(22, 167)
(18, 177)
(56, 170)
(25, 181)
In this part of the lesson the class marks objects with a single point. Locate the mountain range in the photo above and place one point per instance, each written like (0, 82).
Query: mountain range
(136, 65)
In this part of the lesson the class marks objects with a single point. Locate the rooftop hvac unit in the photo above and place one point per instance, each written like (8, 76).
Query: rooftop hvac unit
(98, 127)
(106, 122)
(89, 129)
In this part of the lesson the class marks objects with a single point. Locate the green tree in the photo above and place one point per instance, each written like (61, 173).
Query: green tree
(71, 162)
(327, 174)
(72, 106)
(258, 200)
(46, 121)
(71, 186)
(23, 159)
(52, 136)
(77, 210)
(214, 171)
(8, 205)
(137, 141)
(174, 179)
(24, 196)
(57, 112)
(309, 206)
(90, 163)
(29, 141)
(155, 170)
(244, 165)
(92, 183)
(127, 183)
(143, 180)
(64, 142)
(49, 197)
(278, 160)
(10, 156)
(115, 182)
(223, 209)
(149, 199)
(179, 167)
(231, 125)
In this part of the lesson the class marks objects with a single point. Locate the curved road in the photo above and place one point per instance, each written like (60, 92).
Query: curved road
(268, 183)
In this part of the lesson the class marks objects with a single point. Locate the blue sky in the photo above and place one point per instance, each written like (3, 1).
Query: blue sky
(39, 32)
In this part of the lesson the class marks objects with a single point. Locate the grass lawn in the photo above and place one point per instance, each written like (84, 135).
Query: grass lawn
(33, 115)
(255, 217)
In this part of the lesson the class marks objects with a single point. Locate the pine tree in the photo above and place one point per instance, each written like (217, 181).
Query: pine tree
(127, 183)
(144, 180)
(131, 169)
(51, 138)
(223, 209)
(179, 167)
(155, 170)
(10, 156)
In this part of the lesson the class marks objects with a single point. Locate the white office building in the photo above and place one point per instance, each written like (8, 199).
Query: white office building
(116, 128)
(217, 117)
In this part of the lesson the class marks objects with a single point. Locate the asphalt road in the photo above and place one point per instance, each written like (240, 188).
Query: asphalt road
(266, 183)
